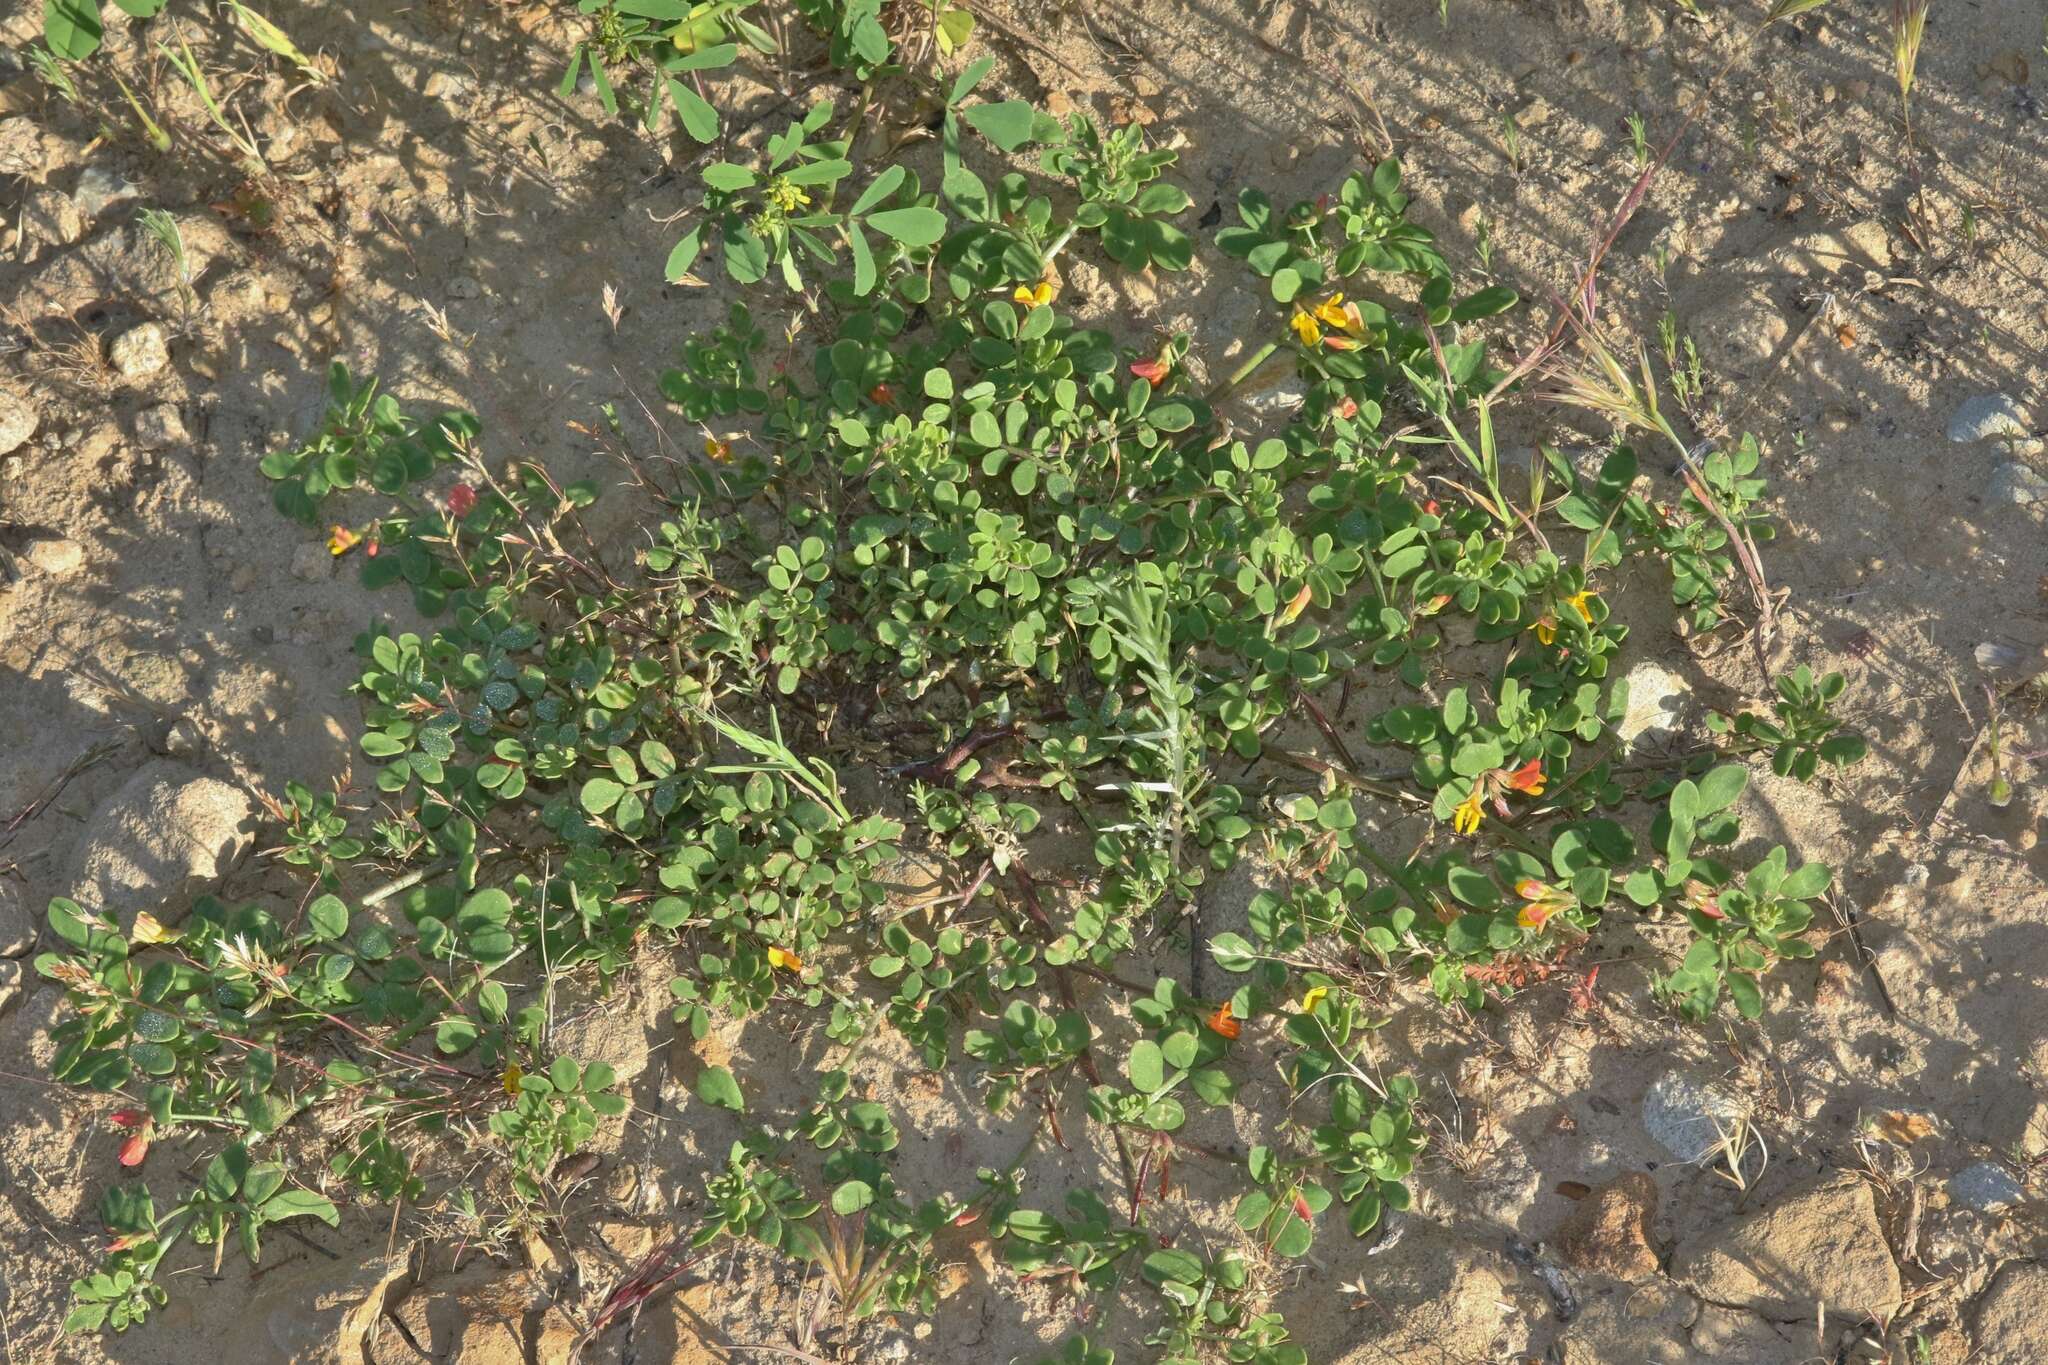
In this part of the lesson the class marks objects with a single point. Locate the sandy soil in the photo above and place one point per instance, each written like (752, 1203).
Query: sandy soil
(450, 226)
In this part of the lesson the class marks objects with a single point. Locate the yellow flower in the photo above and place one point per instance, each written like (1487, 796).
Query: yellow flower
(340, 540)
(1306, 327)
(148, 929)
(717, 449)
(1331, 312)
(511, 1078)
(1034, 295)
(782, 957)
(1312, 997)
(1577, 602)
(1546, 629)
(1465, 819)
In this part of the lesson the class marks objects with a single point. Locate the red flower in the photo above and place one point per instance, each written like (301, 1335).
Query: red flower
(1528, 778)
(461, 499)
(1348, 409)
(1302, 1210)
(1224, 1023)
(1433, 507)
(142, 1127)
(1152, 370)
(882, 395)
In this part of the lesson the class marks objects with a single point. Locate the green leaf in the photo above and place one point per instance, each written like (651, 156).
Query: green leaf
(699, 119)
(880, 188)
(300, 1204)
(684, 255)
(912, 226)
(1233, 953)
(726, 177)
(717, 1086)
(329, 918)
(1146, 1066)
(851, 1197)
(1008, 124)
(1719, 789)
(600, 794)
(71, 28)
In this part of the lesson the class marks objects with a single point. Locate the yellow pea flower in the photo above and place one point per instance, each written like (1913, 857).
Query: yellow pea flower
(717, 449)
(1331, 312)
(511, 1078)
(1465, 819)
(340, 540)
(782, 957)
(1577, 602)
(1313, 997)
(1035, 295)
(1306, 327)
(1546, 628)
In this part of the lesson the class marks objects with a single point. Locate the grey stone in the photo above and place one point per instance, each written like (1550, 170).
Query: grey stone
(463, 287)
(101, 188)
(1686, 1114)
(1985, 415)
(160, 426)
(141, 351)
(165, 838)
(2016, 485)
(17, 925)
(1986, 1187)
(10, 983)
(18, 418)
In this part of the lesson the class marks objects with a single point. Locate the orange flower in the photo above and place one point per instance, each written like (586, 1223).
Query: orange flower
(1301, 1208)
(1528, 778)
(136, 1146)
(340, 540)
(1225, 1023)
(717, 449)
(882, 395)
(785, 959)
(1543, 901)
(1153, 371)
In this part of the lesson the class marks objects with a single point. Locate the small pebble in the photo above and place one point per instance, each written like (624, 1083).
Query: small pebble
(463, 287)
(1994, 656)
(56, 558)
(18, 418)
(101, 188)
(141, 351)
(312, 563)
(161, 425)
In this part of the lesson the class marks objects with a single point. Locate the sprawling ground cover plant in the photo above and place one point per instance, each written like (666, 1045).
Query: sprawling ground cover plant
(1009, 569)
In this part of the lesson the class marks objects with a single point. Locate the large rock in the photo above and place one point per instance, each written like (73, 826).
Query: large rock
(313, 1311)
(1642, 1325)
(17, 924)
(1436, 1296)
(18, 418)
(488, 1317)
(1819, 1244)
(2012, 1317)
(1609, 1232)
(167, 837)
